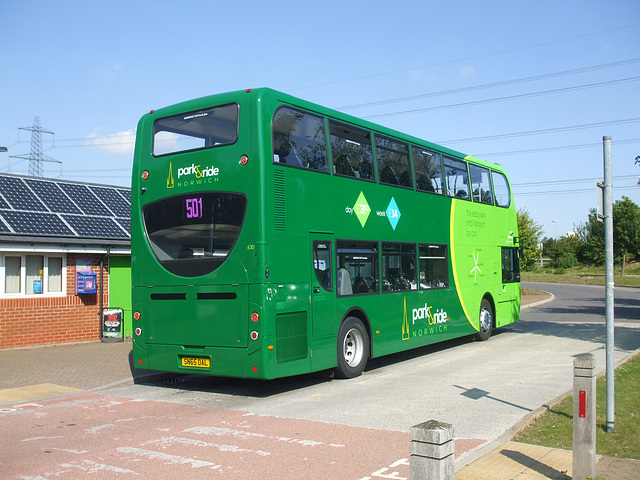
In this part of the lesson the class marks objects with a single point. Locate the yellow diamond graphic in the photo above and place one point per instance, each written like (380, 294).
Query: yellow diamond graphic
(362, 209)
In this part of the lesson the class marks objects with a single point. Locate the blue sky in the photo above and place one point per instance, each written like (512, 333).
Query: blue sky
(533, 86)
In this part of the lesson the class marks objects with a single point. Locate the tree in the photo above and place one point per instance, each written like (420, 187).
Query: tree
(591, 240)
(566, 250)
(530, 233)
(626, 235)
(626, 230)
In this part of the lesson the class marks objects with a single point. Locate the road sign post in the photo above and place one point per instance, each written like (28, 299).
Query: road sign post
(608, 261)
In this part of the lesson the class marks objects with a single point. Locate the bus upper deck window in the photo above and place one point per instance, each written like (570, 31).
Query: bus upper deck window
(206, 128)
(299, 140)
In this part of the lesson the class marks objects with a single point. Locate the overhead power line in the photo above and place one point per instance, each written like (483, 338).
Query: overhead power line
(539, 132)
(466, 59)
(502, 99)
(567, 181)
(491, 85)
(552, 149)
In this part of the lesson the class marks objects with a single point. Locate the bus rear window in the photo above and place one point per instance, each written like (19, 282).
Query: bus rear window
(207, 128)
(193, 234)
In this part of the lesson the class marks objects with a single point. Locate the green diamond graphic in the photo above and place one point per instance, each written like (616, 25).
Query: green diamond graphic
(362, 209)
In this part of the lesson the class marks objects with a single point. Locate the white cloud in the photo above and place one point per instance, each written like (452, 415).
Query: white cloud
(121, 143)
(467, 72)
(416, 75)
(109, 74)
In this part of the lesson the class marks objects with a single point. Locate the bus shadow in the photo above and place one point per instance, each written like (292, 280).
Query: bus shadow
(241, 387)
(395, 358)
(626, 339)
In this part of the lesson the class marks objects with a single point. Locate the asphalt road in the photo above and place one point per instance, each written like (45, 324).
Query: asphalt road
(482, 388)
(312, 426)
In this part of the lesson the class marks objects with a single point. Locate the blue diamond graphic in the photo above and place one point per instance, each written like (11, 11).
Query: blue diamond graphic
(393, 213)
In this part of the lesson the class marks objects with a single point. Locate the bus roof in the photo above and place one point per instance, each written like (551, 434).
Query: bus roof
(265, 93)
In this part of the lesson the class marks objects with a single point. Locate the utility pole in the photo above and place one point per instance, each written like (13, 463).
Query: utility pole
(609, 280)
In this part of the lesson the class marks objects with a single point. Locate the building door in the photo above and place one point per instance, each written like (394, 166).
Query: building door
(120, 287)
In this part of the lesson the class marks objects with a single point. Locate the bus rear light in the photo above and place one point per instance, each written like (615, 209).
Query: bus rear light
(136, 316)
(244, 160)
(270, 347)
(145, 174)
(255, 369)
(255, 317)
(140, 361)
(254, 335)
(138, 331)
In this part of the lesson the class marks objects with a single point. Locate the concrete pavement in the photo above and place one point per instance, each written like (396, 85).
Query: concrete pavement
(46, 372)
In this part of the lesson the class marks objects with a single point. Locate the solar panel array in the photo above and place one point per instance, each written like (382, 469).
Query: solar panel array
(52, 208)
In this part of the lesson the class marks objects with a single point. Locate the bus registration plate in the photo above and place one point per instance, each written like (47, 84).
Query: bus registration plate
(199, 362)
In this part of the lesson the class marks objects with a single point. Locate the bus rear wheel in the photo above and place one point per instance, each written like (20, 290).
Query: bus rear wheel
(486, 320)
(353, 348)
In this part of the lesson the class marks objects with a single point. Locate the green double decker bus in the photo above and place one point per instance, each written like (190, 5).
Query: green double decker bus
(273, 237)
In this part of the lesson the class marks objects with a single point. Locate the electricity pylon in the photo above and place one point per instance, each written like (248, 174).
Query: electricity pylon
(35, 156)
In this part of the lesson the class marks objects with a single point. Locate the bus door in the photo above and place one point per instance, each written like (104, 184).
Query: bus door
(509, 302)
(323, 296)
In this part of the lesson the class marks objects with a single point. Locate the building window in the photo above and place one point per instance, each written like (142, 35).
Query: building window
(32, 274)
(54, 274)
(12, 274)
(34, 271)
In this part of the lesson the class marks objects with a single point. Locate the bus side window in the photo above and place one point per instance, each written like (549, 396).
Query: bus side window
(480, 184)
(299, 140)
(434, 266)
(399, 267)
(322, 264)
(394, 167)
(351, 151)
(501, 189)
(457, 178)
(428, 170)
(510, 265)
(357, 267)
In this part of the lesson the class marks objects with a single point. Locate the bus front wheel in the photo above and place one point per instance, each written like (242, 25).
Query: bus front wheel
(353, 348)
(486, 320)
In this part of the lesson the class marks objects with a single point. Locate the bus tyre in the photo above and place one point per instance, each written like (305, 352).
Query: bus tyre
(486, 320)
(353, 348)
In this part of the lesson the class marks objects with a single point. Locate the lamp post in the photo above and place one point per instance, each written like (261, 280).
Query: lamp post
(3, 149)
(556, 222)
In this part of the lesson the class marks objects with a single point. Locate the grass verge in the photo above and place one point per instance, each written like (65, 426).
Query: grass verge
(554, 428)
(584, 274)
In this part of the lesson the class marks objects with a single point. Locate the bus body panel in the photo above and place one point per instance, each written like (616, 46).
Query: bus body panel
(269, 271)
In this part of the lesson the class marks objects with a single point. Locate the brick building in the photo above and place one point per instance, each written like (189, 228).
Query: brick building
(65, 259)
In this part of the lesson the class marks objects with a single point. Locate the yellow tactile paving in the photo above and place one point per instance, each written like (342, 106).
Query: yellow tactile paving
(520, 462)
(20, 394)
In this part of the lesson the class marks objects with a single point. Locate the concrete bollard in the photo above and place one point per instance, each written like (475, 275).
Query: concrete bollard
(432, 451)
(584, 417)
